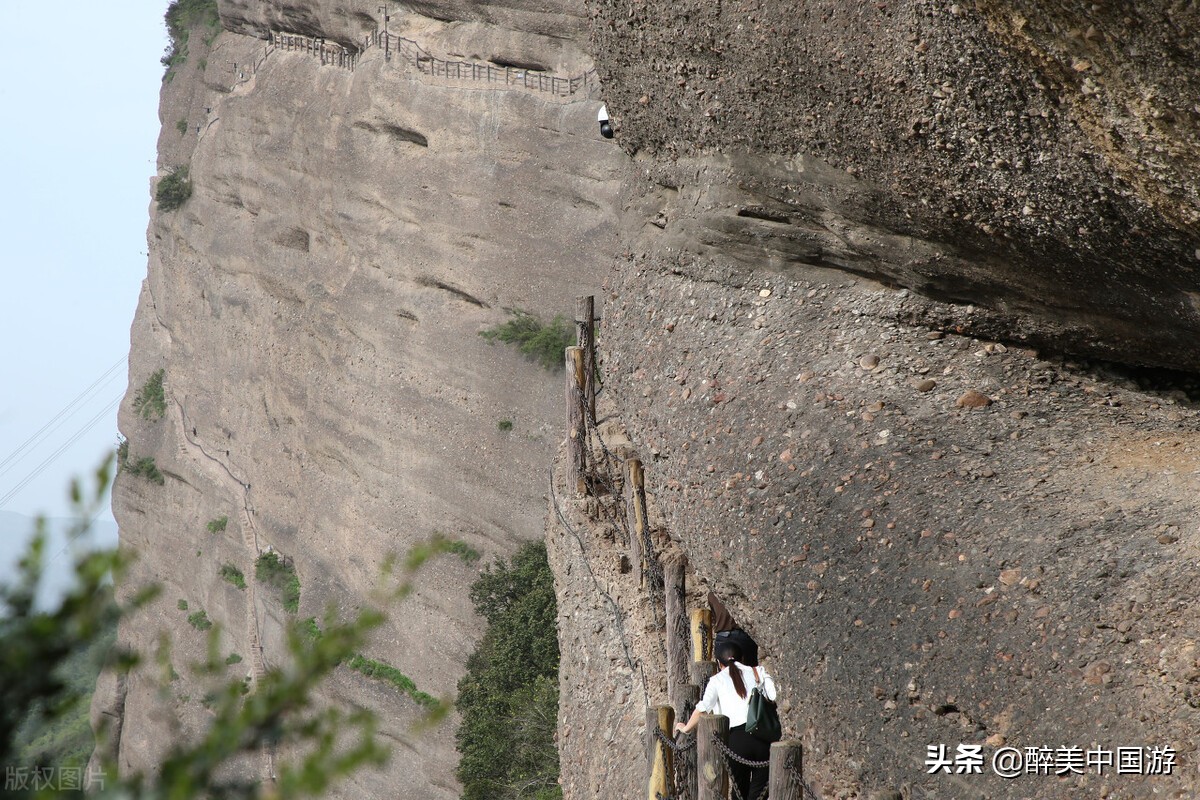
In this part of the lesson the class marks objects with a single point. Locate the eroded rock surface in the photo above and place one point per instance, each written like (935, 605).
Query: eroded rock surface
(316, 306)
(935, 539)
(1039, 158)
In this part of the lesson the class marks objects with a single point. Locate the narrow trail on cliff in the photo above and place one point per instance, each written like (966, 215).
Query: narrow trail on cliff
(194, 452)
(411, 55)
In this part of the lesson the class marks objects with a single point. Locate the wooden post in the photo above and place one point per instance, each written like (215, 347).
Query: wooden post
(712, 776)
(679, 656)
(786, 771)
(636, 486)
(685, 704)
(576, 424)
(585, 337)
(662, 719)
(701, 672)
(702, 635)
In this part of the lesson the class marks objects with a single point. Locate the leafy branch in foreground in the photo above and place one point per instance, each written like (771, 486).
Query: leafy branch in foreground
(33, 644)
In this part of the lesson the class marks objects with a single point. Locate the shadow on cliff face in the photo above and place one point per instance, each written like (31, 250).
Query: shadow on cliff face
(1006, 157)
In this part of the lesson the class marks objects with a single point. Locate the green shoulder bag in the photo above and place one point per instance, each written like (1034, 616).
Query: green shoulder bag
(762, 718)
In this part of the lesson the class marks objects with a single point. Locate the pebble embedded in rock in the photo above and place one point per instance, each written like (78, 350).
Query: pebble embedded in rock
(869, 362)
(973, 399)
(926, 385)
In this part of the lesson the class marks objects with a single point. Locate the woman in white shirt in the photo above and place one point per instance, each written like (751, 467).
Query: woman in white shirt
(728, 693)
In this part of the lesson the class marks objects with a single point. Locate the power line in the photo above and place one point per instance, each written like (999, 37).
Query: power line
(61, 449)
(68, 411)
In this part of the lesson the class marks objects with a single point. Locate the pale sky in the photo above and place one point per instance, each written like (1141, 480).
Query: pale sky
(80, 119)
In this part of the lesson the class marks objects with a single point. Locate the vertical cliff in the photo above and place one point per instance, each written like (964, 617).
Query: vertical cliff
(852, 243)
(316, 306)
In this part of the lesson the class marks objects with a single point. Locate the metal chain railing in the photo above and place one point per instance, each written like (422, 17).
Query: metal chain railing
(789, 764)
(606, 477)
(612, 603)
(732, 757)
(679, 767)
(675, 746)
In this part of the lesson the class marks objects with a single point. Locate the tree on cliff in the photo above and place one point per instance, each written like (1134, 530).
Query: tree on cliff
(509, 697)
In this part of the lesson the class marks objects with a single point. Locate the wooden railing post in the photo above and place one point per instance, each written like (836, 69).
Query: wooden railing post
(662, 719)
(712, 776)
(689, 696)
(679, 656)
(636, 487)
(576, 424)
(786, 771)
(585, 337)
(702, 635)
(701, 672)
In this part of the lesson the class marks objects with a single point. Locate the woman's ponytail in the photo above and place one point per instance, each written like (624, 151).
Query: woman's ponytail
(728, 654)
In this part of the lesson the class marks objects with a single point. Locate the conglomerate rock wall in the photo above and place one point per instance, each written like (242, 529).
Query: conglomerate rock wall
(1033, 159)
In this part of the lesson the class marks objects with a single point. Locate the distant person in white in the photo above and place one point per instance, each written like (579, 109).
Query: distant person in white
(602, 117)
(728, 693)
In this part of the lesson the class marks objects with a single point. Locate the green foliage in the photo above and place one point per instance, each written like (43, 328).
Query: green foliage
(122, 452)
(542, 342)
(505, 425)
(232, 659)
(509, 697)
(217, 525)
(309, 630)
(151, 401)
(437, 544)
(279, 574)
(463, 550)
(35, 689)
(182, 605)
(65, 739)
(173, 189)
(199, 620)
(386, 672)
(144, 468)
(182, 16)
(233, 575)
(181, 126)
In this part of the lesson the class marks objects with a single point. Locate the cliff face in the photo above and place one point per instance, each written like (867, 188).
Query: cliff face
(858, 241)
(1032, 159)
(316, 306)
(938, 536)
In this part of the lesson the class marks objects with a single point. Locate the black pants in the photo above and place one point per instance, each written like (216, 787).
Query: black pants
(750, 781)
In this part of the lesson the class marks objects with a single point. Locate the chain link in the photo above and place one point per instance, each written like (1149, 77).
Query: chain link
(724, 748)
(674, 745)
(732, 756)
